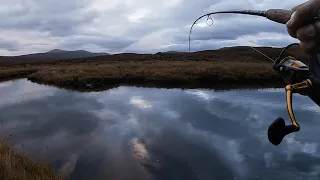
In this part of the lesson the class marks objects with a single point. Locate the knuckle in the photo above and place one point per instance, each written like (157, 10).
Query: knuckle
(307, 45)
(306, 32)
(291, 32)
(298, 12)
(301, 35)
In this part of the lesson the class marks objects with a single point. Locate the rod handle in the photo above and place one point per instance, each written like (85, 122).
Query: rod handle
(279, 15)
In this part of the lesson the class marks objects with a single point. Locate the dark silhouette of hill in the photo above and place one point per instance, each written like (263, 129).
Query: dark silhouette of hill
(50, 56)
(227, 54)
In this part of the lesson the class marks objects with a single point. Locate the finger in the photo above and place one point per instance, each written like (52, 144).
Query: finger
(304, 13)
(296, 7)
(292, 32)
(307, 46)
(306, 33)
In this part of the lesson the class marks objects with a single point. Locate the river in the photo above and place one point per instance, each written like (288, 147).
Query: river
(146, 133)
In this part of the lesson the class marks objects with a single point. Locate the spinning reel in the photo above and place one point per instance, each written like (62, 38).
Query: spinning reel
(299, 77)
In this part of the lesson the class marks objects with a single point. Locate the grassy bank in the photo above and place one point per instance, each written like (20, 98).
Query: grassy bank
(9, 73)
(225, 68)
(15, 166)
(167, 74)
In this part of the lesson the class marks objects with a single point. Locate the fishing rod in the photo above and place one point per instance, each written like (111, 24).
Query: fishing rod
(299, 77)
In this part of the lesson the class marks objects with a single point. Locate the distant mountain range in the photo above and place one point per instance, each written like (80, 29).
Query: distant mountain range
(53, 55)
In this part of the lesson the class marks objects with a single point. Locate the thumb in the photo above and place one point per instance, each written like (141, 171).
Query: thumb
(296, 7)
(304, 13)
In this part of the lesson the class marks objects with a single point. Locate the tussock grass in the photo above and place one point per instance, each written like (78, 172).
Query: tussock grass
(16, 166)
(157, 73)
(237, 66)
(91, 76)
(8, 73)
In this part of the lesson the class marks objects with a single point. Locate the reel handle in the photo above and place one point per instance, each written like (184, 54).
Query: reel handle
(278, 129)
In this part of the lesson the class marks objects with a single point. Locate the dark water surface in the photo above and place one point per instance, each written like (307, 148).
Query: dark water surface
(139, 133)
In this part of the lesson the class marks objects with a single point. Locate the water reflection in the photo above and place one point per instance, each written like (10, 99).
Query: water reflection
(140, 133)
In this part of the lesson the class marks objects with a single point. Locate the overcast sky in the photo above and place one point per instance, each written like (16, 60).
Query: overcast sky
(115, 26)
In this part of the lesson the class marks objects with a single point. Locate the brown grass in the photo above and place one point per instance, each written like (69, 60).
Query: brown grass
(237, 67)
(200, 74)
(92, 76)
(16, 166)
(8, 73)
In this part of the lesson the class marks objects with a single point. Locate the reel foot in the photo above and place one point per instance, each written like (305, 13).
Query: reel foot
(278, 130)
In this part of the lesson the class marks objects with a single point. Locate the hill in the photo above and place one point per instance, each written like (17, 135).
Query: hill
(227, 54)
(49, 56)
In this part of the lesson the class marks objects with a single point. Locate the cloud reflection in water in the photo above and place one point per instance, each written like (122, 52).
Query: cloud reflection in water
(143, 133)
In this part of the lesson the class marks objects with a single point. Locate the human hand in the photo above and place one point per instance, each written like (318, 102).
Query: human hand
(301, 25)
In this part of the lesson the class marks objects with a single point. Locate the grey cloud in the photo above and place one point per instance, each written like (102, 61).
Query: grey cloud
(58, 18)
(72, 20)
(171, 18)
(9, 45)
(184, 47)
(107, 42)
(232, 29)
(231, 5)
(64, 26)
(276, 42)
(190, 11)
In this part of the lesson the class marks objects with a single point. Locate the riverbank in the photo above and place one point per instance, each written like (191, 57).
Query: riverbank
(225, 68)
(16, 166)
(161, 74)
